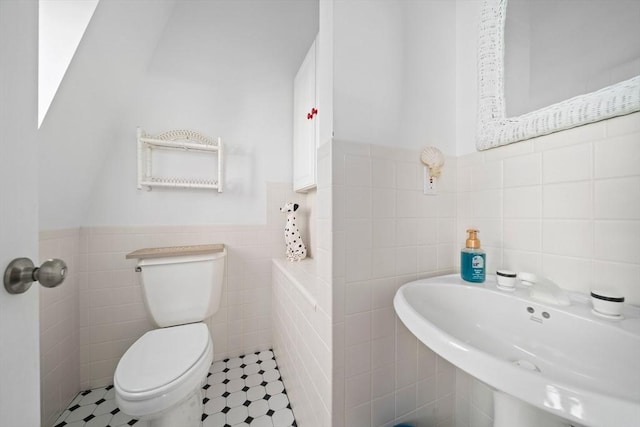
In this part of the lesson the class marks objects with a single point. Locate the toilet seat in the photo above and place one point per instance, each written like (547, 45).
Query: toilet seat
(161, 367)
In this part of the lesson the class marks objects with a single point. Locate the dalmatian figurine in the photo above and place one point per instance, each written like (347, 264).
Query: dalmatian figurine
(296, 250)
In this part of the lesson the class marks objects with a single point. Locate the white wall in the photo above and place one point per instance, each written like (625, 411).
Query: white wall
(368, 64)
(94, 96)
(301, 334)
(388, 70)
(385, 233)
(224, 68)
(565, 205)
(428, 83)
(324, 71)
(393, 83)
(367, 369)
(467, 24)
(302, 320)
(59, 325)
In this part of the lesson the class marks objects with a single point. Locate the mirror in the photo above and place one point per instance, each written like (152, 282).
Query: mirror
(558, 49)
(606, 90)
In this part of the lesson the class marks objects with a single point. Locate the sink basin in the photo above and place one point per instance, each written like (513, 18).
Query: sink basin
(563, 360)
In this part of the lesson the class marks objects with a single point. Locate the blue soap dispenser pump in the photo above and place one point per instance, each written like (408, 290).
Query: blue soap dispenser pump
(473, 259)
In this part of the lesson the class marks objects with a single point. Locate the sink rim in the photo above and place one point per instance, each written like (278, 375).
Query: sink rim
(578, 403)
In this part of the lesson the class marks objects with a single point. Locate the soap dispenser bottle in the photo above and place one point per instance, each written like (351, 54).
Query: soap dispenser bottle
(473, 259)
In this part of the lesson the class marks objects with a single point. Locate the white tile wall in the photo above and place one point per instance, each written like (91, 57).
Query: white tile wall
(113, 314)
(618, 156)
(388, 233)
(110, 312)
(302, 339)
(573, 163)
(570, 211)
(569, 200)
(59, 326)
(522, 170)
(617, 198)
(564, 205)
(298, 326)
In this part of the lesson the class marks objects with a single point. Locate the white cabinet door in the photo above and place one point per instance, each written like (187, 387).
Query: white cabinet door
(305, 111)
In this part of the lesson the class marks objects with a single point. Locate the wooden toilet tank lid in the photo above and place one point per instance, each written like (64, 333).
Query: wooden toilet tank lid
(171, 251)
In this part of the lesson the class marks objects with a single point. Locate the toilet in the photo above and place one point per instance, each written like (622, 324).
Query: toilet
(159, 379)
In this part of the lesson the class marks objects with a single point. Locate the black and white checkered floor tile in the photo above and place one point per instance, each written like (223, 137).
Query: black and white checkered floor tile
(243, 391)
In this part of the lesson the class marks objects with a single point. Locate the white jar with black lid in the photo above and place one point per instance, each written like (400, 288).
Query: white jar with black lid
(607, 303)
(506, 279)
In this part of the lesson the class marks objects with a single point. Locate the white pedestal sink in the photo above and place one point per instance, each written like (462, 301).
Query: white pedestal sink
(570, 365)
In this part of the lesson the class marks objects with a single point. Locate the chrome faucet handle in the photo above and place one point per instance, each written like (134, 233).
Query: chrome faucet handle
(547, 291)
(528, 279)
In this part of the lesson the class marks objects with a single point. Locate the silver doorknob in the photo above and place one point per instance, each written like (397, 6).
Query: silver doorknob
(21, 272)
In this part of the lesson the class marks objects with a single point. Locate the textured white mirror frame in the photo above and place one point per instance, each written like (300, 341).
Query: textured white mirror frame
(495, 129)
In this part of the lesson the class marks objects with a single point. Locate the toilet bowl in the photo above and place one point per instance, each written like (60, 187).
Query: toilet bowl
(159, 379)
(161, 375)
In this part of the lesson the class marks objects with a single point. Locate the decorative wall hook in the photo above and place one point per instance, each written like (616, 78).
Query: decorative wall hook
(434, 161)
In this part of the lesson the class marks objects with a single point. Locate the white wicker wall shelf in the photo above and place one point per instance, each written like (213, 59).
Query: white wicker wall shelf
(177, 140)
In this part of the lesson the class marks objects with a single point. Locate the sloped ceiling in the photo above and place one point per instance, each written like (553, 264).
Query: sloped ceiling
(171, 64)
(100, 83)
(224, 68)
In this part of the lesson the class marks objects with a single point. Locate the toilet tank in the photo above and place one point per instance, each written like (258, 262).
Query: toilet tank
(184, 288)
